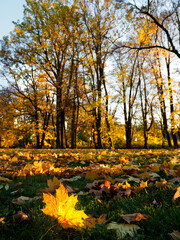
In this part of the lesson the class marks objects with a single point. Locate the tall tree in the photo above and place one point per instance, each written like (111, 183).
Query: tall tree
(129, 85)
(172, 111)
(159, 17)
(159, 81)
(44, 40)
(98, 19)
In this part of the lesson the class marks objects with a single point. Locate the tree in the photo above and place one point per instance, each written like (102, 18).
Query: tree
(8, 134)
(159, 81)
(159, 17)
(98, 19)
(172, 112)
(129, 84)
(43, 40)
(146, 104)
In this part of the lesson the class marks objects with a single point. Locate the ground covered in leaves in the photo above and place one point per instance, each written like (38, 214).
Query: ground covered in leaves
(89, 194)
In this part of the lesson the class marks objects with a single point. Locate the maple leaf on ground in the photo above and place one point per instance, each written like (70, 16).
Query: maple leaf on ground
(62, 208)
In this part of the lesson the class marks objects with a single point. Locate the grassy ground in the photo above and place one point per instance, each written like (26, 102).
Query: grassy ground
(24, 172)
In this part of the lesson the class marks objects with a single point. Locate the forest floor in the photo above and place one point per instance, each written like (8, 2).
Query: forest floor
(122, 194)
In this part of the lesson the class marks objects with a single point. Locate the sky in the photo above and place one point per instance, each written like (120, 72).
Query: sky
(10, 10)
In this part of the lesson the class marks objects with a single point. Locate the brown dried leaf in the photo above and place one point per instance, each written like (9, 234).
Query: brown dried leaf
(175, 235)
(134, 217)
(20, 216)
(176, 179)
(22, 199)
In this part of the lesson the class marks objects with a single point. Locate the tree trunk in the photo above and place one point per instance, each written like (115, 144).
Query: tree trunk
(37, 130)
(162, 103)
(58, 115)
(107, 112)
(62, 114)
(73, 135)
(173, 132)
(128, 134)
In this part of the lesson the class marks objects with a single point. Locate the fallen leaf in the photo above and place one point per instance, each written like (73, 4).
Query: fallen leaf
(71, 189)
(177, 194)
(128, 192)
(2, 219)
(133, 179)
(52, 186)
(91, 222)
(176, 179)
(6, 187)
(161, 184)
(155, 167)
(14, 159)
(123, 229)
(134, 217)
(20, 216)
(17, 191)
(175, 235)
(3, 179)
(75, 178)
(22, 199)
(177, 172)
(62, 208)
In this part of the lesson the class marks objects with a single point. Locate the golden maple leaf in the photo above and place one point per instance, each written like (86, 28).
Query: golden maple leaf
(62, 208)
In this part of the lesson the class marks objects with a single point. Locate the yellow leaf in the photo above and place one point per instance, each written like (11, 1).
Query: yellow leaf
(62, 208)
(143, 184)
(155, 168)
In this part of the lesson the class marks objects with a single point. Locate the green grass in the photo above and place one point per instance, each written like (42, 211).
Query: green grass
(164, 216)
